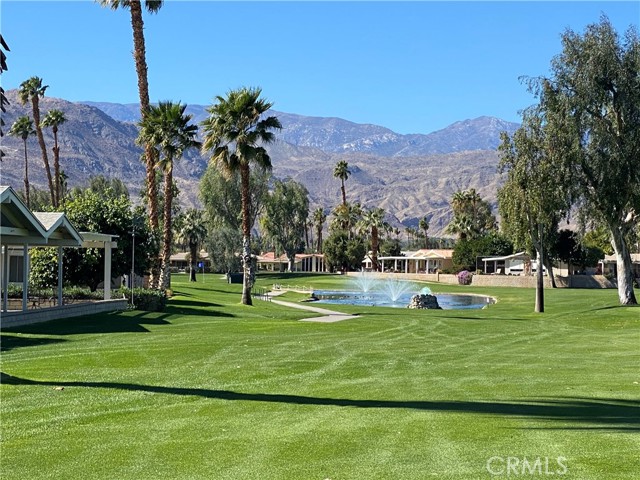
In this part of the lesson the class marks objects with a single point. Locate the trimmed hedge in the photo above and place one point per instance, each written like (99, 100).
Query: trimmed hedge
(145, 299)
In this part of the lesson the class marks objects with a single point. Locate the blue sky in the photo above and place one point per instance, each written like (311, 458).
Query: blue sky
(414, 67)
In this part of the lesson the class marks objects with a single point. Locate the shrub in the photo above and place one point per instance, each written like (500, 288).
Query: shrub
(465, 277)
(82, 293)
(145, 299)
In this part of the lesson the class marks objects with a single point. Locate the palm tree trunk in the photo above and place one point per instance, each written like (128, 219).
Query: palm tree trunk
(165, 274)
(139, 56)
(374, 248)
(319, 244)
(193, 247)
(246, 236)
(26, 176)
(344, 194)
(45, 158)
(56, 166)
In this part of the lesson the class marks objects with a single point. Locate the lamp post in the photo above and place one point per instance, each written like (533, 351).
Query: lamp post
(133, 253)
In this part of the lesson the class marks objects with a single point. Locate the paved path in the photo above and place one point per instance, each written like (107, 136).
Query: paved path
(327, 316)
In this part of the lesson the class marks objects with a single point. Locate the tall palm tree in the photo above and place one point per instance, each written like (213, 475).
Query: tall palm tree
(3, 99)
(372, 222)
(139, 56)
(233, 134)
(193, 232)
(167, 128)
(423, 224)
(31, 90)
(318, 219)
(53, 119)
(23, 127)
(342, 172)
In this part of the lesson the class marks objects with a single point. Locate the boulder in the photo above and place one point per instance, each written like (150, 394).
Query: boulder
(424, 301)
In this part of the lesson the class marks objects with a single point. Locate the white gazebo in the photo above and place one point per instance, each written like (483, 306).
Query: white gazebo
(20, 229)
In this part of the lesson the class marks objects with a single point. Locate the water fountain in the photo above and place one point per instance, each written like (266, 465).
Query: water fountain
(365, 281)
(394, 288)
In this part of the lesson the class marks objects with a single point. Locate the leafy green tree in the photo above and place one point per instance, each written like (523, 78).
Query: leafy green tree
(91, 212)
(193, 232)
(569, 249)
(234, 135)
(466, 252)
(167, 128)
(139, 56)
(373, 224)
(472, 216)
(55, 118)
(344, 253)
(101, 184)
(222, 200)
(32, 90)
(341, 171)
(285, 217)
(43, 268)
(23, 128)
(591, 103)
(533, 197)
(319, 217)
(223, 245)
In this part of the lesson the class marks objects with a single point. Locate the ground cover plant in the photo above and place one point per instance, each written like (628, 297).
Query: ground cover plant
(211, 388)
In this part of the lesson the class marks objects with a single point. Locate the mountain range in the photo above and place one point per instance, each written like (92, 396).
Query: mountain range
(410, 176)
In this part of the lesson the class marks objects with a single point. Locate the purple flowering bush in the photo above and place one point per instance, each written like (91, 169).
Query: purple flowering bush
(464, 277)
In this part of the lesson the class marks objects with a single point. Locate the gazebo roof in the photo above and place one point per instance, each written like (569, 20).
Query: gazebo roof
(21, 226)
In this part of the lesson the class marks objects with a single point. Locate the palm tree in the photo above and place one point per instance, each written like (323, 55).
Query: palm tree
(342, 172)
(424, 226)
(23, 127)
(31, 90)
(3, 98)
(232, 133)
(373, 222)
(346, 216)
(139, 56)
(192, 232)
(62, 181)
(319, 217)
(166, 127)
(53, 119)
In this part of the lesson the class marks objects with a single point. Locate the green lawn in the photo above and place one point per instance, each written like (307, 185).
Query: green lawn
(211, 389)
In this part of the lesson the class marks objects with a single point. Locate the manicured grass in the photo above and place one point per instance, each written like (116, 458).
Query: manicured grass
(211, 389)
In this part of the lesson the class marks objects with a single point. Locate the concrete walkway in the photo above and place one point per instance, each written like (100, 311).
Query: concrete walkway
(327, 316)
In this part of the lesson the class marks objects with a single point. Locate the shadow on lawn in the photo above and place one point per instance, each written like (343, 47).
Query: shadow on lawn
(102, 323)
(596, 413)
(191, 303)
(11, 342)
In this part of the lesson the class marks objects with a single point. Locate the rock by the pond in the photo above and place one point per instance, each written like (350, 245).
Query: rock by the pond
(424, 301)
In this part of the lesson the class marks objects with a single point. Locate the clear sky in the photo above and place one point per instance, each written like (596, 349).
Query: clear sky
(414, 67)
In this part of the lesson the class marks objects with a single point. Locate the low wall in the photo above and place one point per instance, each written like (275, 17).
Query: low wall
(18, 319)
(521, 281)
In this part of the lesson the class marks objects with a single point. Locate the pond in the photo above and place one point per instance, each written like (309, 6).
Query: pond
(448, 301)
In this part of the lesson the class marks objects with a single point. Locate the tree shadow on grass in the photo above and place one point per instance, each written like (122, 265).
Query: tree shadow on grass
(191, 303)
(592, 413)
(101, 323)
(201, 312)
(11, 342)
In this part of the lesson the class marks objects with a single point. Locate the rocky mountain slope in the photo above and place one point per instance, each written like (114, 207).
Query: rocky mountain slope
(408, 175)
